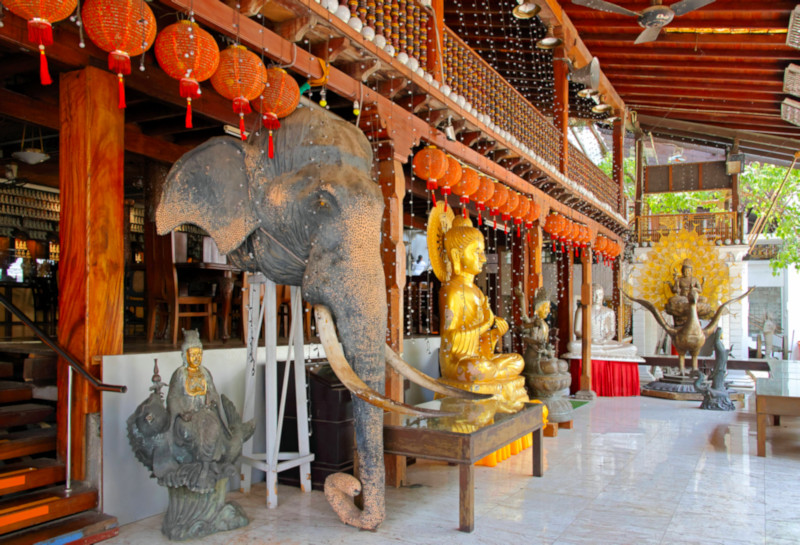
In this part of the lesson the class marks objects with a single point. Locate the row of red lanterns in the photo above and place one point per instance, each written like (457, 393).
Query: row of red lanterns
(445, 173)
(569, 233)
(126, 28)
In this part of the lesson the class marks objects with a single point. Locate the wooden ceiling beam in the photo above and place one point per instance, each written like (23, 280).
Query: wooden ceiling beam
(689, 92)
(731, 106)
(726, 120)
(711, 82)
(635, 54)
(682, 40)
(705, 73)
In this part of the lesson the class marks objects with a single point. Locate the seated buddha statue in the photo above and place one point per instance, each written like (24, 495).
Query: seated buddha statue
(677, 305)
(604, 327)
(469, 329)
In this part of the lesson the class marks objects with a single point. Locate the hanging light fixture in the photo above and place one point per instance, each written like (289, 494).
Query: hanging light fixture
(526, 10)
(549, 42)
(31, 155)
(601, 108)
(449, 130)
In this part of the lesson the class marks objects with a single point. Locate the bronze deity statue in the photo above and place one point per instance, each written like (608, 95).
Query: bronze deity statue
(677, 305)
(545, 375)
(470, 330)
(192, 446)
(690, 335)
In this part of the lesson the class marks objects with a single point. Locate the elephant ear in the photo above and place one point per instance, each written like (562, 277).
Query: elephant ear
(209, 187)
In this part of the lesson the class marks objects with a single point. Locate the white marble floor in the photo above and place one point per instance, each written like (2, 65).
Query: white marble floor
(633, 470)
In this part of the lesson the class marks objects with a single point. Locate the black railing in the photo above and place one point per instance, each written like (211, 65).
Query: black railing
(46, 339)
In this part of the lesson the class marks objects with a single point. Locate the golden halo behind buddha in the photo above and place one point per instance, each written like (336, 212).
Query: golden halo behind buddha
(439, 222)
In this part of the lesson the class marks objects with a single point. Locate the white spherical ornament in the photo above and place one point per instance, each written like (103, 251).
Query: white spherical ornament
(355, 23)
(413, 64)
(467, 105)
(446, 90)
(435, 83)
(427, 77)
(368, 33)
(461, 101)
(474, 111)
(481, 118)
(380, 41)
(402, 57)
(343, 13)
(332, 5)
(389, 49)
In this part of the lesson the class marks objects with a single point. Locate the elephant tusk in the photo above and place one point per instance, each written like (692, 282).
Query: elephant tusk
(343, 370)
(418, 377)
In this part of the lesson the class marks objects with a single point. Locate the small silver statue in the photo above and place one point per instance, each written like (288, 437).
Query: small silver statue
(191, 446)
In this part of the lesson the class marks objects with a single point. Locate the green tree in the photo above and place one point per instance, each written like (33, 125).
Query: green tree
(758, 185)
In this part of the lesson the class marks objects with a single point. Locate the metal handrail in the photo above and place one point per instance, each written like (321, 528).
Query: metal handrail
(46, 339)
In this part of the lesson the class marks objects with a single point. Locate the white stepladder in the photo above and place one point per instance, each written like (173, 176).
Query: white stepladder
(272, 460)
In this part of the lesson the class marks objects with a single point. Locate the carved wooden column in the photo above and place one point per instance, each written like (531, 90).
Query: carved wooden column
(618, 153)
(565, 310)
(637, 199)
(393, 185)
(92, 261)
(436, 43)
(586, 327)
(561, 105)
(535, 279)
(518, 269)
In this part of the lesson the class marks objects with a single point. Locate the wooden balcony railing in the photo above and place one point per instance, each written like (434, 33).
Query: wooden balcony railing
(470, 76)
(582, 171)
(722, 226)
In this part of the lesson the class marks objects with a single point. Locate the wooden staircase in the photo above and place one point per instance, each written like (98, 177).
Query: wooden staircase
(35, 506)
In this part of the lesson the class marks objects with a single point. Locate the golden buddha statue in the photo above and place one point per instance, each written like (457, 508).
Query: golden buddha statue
(469, 328)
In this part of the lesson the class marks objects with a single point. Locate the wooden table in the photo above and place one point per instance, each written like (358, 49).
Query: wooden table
(706, 364)
(222, 275)
(776, 396)
(430, 438)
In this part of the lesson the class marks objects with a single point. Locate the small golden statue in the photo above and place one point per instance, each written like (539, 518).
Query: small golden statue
(470, 330)
(677, 306)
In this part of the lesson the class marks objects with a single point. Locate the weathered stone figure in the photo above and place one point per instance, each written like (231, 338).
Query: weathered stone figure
(191, 446)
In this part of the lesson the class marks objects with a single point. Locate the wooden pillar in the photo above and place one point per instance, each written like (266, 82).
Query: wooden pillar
(616, 297)
(565, 310)
(738, 226)
(639, 195)
(561, 106)
(436, 42)
(535, 279)
(518, 275)
(618, 155)
(586, 326)
(92, 262)
(393, 185)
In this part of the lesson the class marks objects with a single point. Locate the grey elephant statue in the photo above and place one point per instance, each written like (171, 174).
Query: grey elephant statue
(310, 217)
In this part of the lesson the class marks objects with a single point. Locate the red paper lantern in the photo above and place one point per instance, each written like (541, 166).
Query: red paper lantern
(280, 98)
(498, 199)
(533, 214)
(41, 14)
(124, 28)
(520, 212)
(430, 164)
(240, 77)
(452, 175)
(466, 186)
(189, 54)
(554, 225)
(484, 193)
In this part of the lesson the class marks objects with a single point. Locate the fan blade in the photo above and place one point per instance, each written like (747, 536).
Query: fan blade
(602, 5)
(648, 35)
(685, 6)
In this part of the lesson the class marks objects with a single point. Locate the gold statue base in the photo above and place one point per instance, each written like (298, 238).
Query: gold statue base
(510, 392)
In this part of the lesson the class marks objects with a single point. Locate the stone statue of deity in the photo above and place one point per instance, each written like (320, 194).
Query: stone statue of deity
(604, 328)
(545, 375)
(469, 328)
(192, 446)
(680, 286)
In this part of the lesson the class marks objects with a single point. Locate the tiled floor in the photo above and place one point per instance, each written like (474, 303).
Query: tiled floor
(632, 471)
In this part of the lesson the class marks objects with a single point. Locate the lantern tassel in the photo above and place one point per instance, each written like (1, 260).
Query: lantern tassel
(431, 185)
(44, 72)
(480, 219)
(121, 86)
(241, 128)
(519, 232)
(40, 31)
(464, 212)
(188, 112)
(271, 122)
(271, 146)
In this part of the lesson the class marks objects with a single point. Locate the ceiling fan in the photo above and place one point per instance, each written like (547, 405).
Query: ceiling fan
(652, 19)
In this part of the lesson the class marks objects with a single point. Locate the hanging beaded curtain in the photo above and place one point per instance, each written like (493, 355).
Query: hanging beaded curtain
(41, 14)
(189, 54)
(123, 28)
(452, 175)
(430, 164)
(240, 77)
(466, 186)
(482, 195)
(280, 98)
